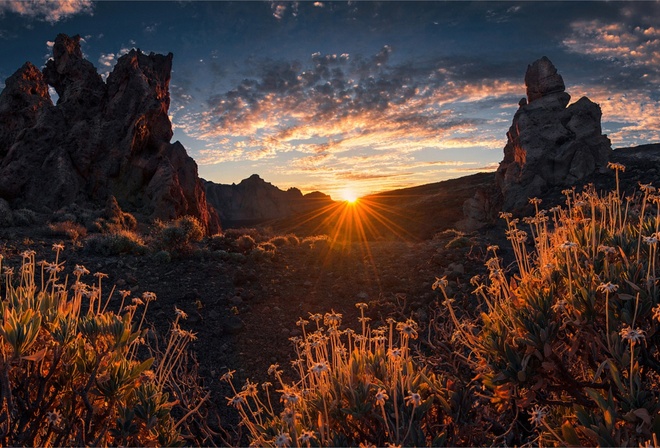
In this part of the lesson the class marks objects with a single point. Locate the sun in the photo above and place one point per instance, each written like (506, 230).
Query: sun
(349, 196)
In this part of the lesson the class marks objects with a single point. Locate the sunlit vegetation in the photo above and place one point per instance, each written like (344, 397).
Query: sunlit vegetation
(565, 344)
(352, 388)
(70, 372)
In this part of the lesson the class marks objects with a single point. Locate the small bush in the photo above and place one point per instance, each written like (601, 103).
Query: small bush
(234, 234)
(71, 376)
(245, 244)
(120, 242)
(280, 241)
(178, 236)
(219, 242)
(69, 229)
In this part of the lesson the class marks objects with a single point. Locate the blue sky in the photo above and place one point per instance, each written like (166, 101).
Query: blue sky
(366, 95)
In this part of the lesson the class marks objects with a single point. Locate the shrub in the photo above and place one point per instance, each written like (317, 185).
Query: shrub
(70, 374)
(350, 389)
(279, 241)
(117, 243)
(162, 257)
(69, 229)
(245, 244)
(571, 340)
(178, 236)
(24, 217)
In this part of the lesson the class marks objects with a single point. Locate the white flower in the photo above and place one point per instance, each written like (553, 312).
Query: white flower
(381, 397)
(283, 439)
(538, 415)
(635, 336)
(236, 401)
(440, 283)
(80, 270)
(414, 399)
(320, 367)
(607, 287)
(568, 245)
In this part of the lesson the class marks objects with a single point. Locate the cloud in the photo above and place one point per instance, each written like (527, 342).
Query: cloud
(47, 10)
(335, 115)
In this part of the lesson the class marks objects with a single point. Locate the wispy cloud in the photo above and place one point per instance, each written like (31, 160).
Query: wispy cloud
(349, 118)
(47, 10)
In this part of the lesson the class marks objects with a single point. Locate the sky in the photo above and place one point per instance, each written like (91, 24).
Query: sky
(359, 95)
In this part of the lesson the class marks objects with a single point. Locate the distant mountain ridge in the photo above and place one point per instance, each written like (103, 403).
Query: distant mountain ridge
(254, 201)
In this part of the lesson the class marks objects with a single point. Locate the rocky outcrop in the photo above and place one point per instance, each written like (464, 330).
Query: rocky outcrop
(550, 143)
(550, 146)
(100, 140)
(254, 200)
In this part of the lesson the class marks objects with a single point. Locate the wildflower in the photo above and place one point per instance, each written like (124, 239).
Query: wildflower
(148, 296)
(28, 253)
(567, 245)
(361, 305)
(148, 375)
(440, 283)
(100, 275)
(54, 268)
(616, 166)
(647, 188)
(656, 312)
(635, 336)
(302, 322)
(182, 314)
(493, 247)
(607, 287)
(381, 397)
(332, 319)
(80, 270)
(395, 353)
(265, 385)
(228, 375)
(364, 319)
(606, 249)
(236, 401)
(408, 328)
(306, 436)
(560, 305)
(137, 302)
(414, 398)
(291, 398)
(124, 293)
(651, 240)
(535, 201)
(320, 367)
(283, 439)
(538, 415)
(58, 247)
(505, 215)
(290, 416)
(272, 370)
(53, 417)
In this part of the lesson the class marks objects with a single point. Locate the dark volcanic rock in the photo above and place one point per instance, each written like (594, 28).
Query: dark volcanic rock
(101, 139)
(548, 143)
(254, 200)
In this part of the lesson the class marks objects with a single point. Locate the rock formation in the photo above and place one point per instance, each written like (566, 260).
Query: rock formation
(101, 139)
(254, 200)
(550, 144)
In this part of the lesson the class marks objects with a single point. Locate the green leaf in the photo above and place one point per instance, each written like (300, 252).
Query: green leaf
(570, 436)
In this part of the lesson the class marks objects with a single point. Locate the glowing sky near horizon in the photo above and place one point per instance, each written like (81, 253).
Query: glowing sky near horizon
(363, 96)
